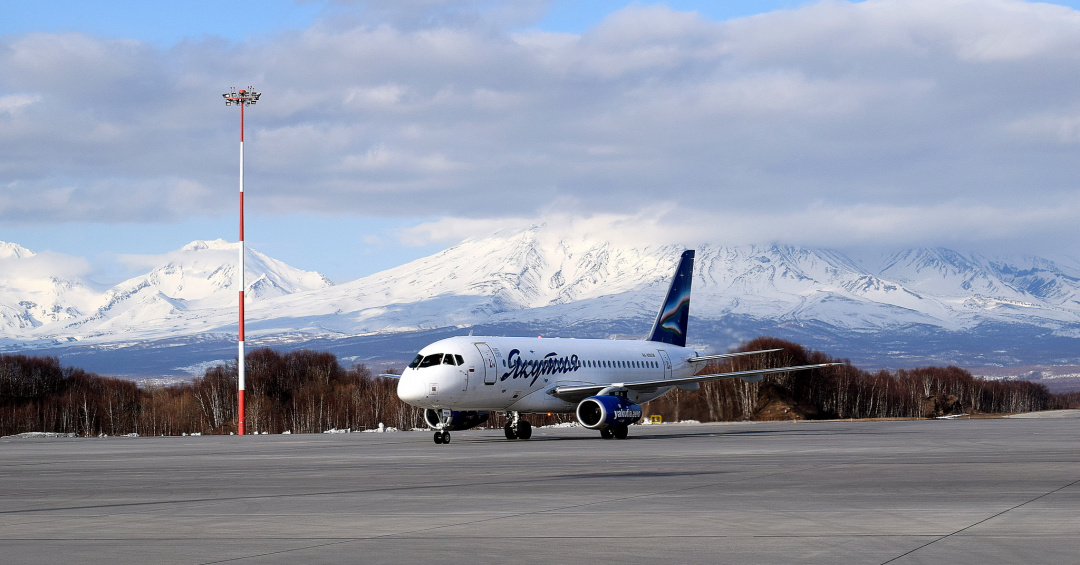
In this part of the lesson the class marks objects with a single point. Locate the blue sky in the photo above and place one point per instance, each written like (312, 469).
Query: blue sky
(165, 23)
(390, 130)
(161, 22)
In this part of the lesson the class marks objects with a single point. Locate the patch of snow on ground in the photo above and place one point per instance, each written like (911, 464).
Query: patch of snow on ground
(383, 429)
(42, 434)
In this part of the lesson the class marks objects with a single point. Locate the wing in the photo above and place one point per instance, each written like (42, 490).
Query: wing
(579, 392)
(388, 376)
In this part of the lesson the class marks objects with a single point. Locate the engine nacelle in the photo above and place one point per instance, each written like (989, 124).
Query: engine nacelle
(458, 420)
(600, 412)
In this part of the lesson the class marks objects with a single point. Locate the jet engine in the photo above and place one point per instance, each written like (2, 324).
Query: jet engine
(458, 420)
(601, 412)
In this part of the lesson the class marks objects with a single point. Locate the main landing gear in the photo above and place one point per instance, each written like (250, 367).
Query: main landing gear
(617, 432)
(442, 437)
(516, 428)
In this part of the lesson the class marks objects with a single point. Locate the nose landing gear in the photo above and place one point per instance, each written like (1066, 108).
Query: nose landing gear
(441, 435)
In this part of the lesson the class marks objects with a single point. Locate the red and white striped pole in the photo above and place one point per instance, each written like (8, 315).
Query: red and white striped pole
(242, 99)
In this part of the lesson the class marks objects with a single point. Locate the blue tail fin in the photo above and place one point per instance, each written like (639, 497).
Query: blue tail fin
(670, 325)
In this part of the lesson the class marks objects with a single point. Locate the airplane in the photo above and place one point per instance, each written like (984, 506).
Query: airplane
(459, 381)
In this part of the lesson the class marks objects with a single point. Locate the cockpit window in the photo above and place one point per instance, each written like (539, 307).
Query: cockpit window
(433, 359)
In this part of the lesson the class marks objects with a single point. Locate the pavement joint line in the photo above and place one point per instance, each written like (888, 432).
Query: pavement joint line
(518, 537)
(250, 497)
(475, 537)
(932, 542)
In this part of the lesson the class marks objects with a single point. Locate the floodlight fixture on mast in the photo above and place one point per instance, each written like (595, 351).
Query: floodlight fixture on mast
(242, 98)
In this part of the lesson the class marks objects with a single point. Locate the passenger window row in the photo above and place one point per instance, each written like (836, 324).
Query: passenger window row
(433, 359)
(622, 364)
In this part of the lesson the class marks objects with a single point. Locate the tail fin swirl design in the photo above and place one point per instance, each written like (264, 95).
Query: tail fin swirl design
(671, 321)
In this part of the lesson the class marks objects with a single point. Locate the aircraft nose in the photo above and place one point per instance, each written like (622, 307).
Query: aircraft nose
(410, 389)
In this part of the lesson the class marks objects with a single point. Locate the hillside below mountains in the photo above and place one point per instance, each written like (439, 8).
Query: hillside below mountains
(913, 307)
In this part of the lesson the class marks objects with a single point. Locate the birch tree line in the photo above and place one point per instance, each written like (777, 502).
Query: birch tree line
(309, 392)
(299, 392)
(846, 391)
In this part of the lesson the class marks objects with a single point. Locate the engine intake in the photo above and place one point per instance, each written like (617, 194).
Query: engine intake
(458, 420)
(600, 412)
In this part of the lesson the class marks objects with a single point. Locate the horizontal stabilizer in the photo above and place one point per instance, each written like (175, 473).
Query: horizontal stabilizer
(729, 355)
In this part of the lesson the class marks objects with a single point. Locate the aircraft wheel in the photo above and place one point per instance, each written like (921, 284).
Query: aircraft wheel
(524, 430)
(438, 437)
(606, 433)
(621, 432)
(509, 431)
(446, 437)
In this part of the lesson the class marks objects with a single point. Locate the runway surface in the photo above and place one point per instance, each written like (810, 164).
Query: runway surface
(941, 491)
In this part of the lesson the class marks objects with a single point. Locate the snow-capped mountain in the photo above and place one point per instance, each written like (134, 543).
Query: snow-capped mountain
(974, 287)
(33, 294)
(916, 304)
(193, 291)
(935, 287)
(499, 278)
(529, 276)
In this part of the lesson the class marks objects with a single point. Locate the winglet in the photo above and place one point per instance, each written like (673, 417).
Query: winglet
(671, 321)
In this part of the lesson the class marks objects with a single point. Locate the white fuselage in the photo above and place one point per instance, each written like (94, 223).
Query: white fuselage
(516, 374)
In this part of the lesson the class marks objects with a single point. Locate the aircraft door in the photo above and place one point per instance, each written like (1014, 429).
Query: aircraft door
(490, 368)
(666, 362)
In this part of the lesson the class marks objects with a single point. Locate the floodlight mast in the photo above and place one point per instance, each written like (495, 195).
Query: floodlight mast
(242, 98)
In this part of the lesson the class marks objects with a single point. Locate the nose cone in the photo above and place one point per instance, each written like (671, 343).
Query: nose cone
(410, 388)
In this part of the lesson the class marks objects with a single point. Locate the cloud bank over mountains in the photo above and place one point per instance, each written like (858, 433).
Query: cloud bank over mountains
(887, 123)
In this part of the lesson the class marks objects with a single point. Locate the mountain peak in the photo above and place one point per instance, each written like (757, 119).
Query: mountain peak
(14, 251)
(210, 244)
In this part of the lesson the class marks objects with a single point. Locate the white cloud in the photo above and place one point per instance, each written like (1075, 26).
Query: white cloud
(13, 103)
(1059, 128)
(878, 120)
(28, 271)
(959, 223)
(383, 97)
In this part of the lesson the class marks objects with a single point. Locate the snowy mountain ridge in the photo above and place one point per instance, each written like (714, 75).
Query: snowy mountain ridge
(539, 278)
